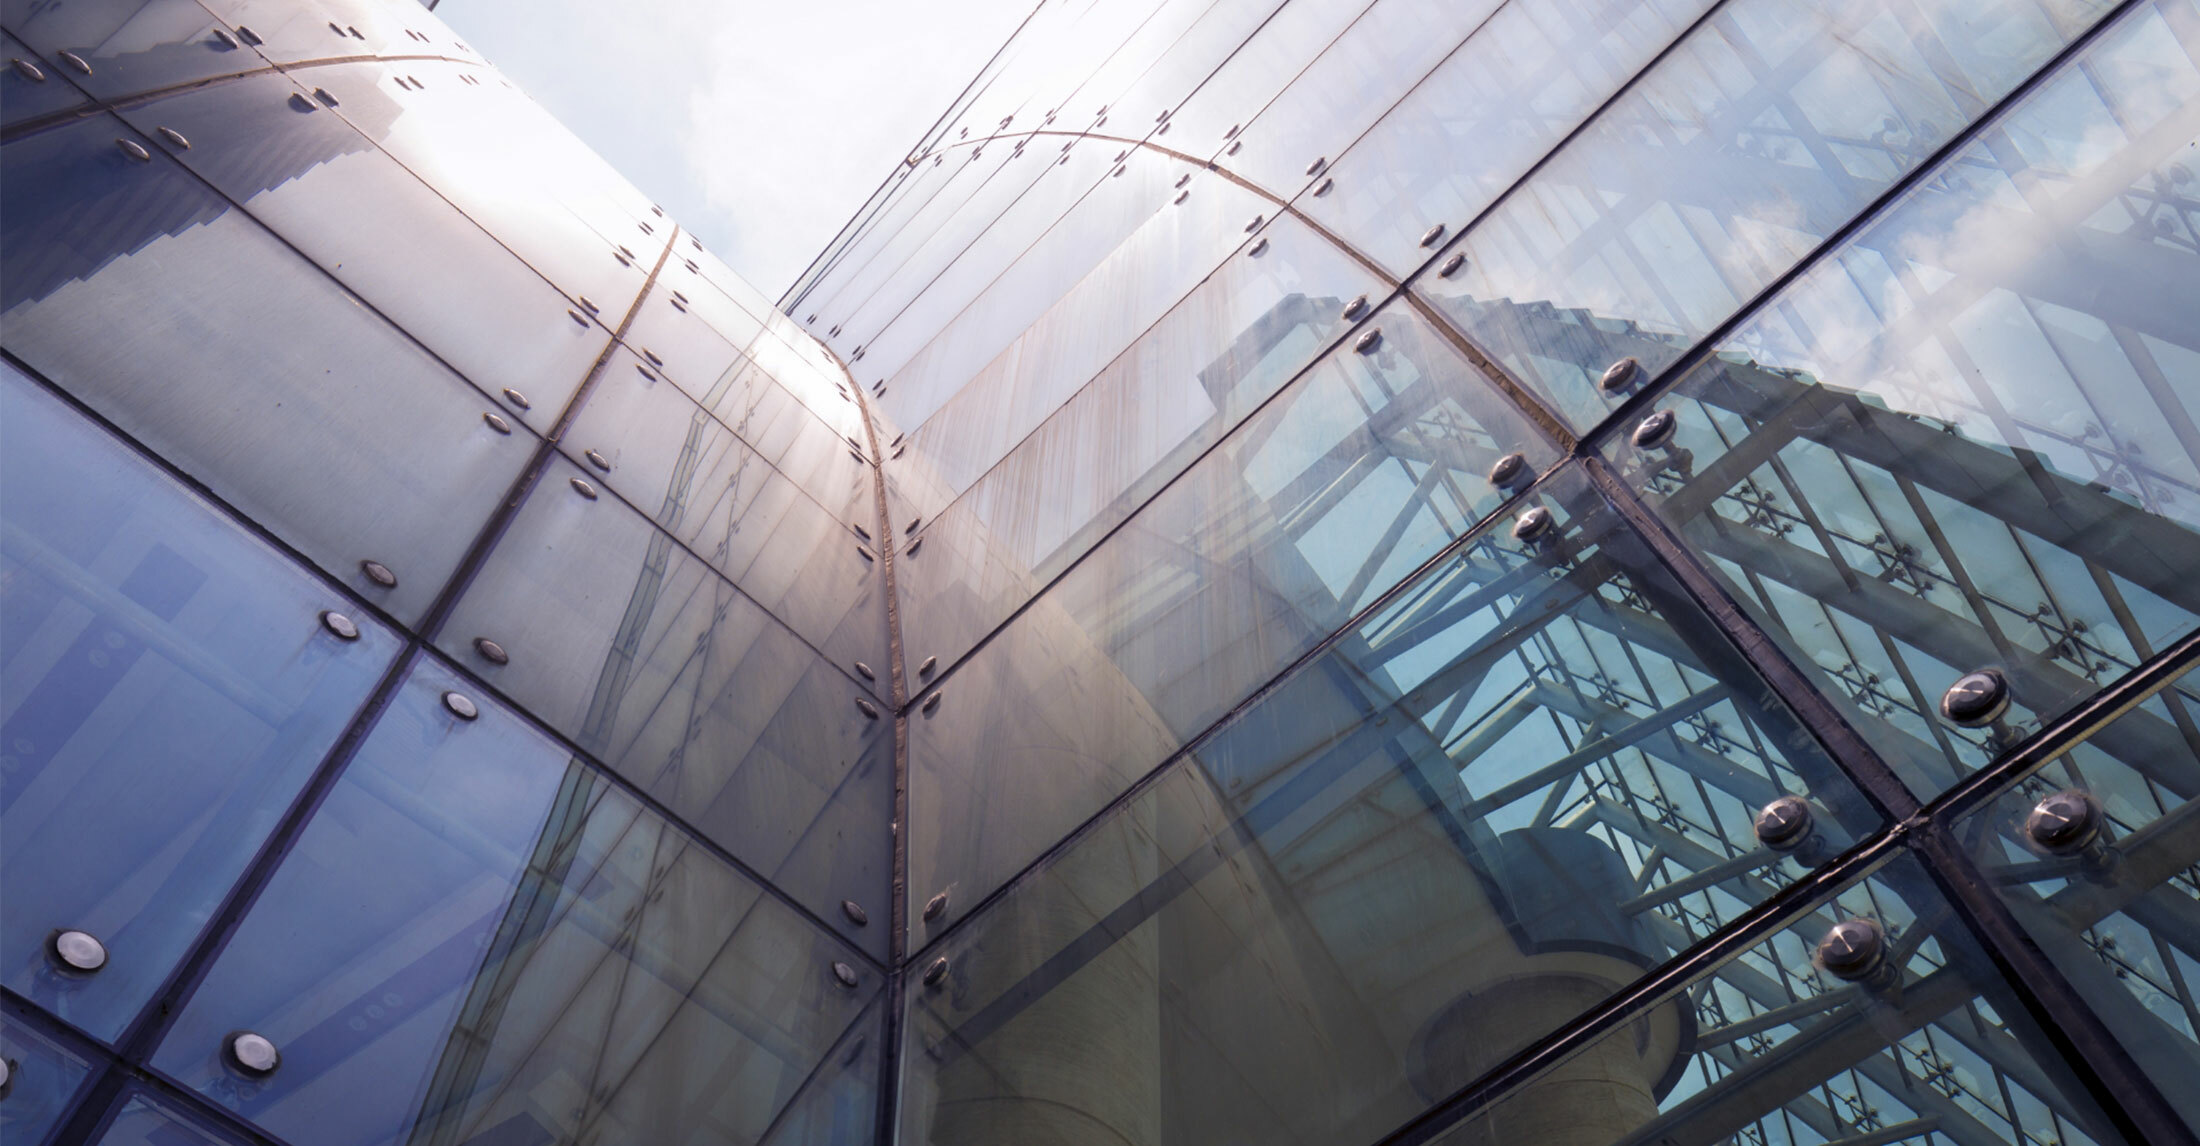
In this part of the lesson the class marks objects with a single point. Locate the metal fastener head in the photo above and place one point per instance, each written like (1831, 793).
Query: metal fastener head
(1783, 824)
(250, 1054)
(1259, 247)
(1181, 196)
(655, 361)
(583, 488)
(1620, 376)
(597, 460)
(931, 704)
(864, 671)
(460, 705)
(379, 574)
(77, 952)
(27, 70)
(935, 907)
(1181, 180)
(1451, 265)
(864, 551)
(249, 36)
(517, 399)
(844, 973)
(344, 627)
(855, 913)
(1233, 132)
(869, 710)
(322, 95)
(1356, 307)
(930, 665)
(587, 304)
(577, 318)
(1509, 470)
(75, 61)
(913, 547)
(7, 1076)
(1656, 430)
(1430, 236)
(134, 150)
(491, 651)
(1976, 699)
(1369, 339)
(1315, 168)
(1853, 949)
(1532, 524)
(914, 522)
(224, 38)
(497, 423)
(2065, 823)
(936, 972)
(175, 138)
(1254, 224)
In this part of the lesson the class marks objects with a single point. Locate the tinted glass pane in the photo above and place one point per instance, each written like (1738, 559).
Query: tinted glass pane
(2095, 856)
(1967, 439)
(476, 931)
(168, 311)
(1764, 131)
(636, 649)
(43, 1076)
(167, 685)
(128, 46)
(21, 96)
(1932, 1048)
(147, 1120)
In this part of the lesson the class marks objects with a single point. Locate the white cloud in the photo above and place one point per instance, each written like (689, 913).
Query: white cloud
(760, 127)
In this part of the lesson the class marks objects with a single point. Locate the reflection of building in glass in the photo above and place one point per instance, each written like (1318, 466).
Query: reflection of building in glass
(1580, 572)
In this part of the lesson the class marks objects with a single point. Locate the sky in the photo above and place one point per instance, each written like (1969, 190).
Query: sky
(760, 126)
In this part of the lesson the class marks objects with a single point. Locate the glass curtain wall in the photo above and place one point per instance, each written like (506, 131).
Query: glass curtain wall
(1346, 572)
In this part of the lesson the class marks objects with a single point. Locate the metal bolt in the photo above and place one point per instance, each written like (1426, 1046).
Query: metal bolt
(914, 546)
(1976, 699)
(1784, 824)
(1254, 224)
(299, 101)
(251, 1054)
(587, 305)
(1356, 307)
(864, 671)
(577, 319)
(1315, 168)
(134, 150)
(1853, 949)
(76, 951)
(1620, 376)
(930, 664)
(1430, 236)
(249, 36)
(322, 95)
(931, 704)
(460, 705)
(344, 627)
(935, 907)
(1235, 145)
(379, 574)
(655, 361)
(27, 70)
(7, 1076)
(491, 651)
(583, 488)
(844, 973)
(1508, 470)
(1655, 430)
(75, 61)
(598, 460)
(1532, 524)
(175, 138)
(1451, 265)
(2065, 823)
(1181, 196)
(517, 399)
(1324, 187)
(1369, 339)
(914, 522)
(855, 913)
(870, 711)
(936, 972)
(226, 40)
(496, 423)
(1259, 247)
(1181, 180)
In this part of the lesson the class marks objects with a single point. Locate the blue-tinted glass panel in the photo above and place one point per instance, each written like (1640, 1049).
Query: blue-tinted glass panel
(1967, 439)
(128, 46)
(146, 1119)
(21, 96)
(1932, 1047)
(1764, 131)
(478, 935)
(43, 1076)
(171, 313)
(167, 685)
(645, 657)
(2095, 856)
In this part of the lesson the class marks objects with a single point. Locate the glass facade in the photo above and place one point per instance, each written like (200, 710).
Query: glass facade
(1586, 572)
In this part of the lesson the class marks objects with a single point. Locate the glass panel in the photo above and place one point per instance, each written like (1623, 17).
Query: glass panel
(266, 144)
(1765, 130)
(633, 647)
(1525, 781)
(672, 461)
(43, 1076)
(167, 686)
(1934, 1047)
(2095, 855)
(1967, 439)
(478, 934)
(129, 46)
(23, 98)
(1276, 55)
(146, 1120)
(198, 333)
(294, 30)
(1561, 684)
(1498, 103)
(840, 1103)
